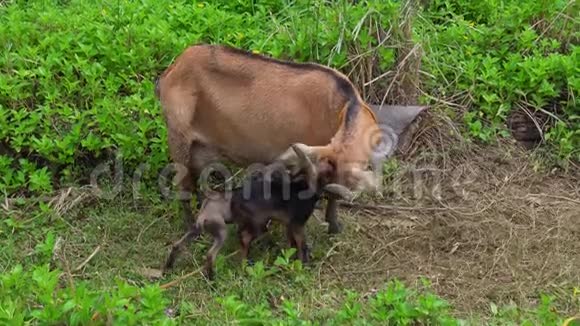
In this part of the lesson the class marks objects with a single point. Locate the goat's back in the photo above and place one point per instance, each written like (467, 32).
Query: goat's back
(252, 107)
(275, 198)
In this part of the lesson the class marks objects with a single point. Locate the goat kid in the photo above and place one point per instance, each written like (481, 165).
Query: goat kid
(292, 202)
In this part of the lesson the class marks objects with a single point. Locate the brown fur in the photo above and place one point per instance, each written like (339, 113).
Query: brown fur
(220, 102)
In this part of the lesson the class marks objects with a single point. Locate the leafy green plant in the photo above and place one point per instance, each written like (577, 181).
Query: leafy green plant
(545, 313)
(35, 296)
(76, 77)
(393, 305)
(495, 57)
(258, 271)
(45, 249)
(76, 81)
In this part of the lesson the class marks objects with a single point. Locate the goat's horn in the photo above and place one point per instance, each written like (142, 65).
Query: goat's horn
(339, 190)
(305, 162)
(290, 154)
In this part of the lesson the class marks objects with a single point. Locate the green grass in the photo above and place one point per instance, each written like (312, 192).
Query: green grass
(39, 281)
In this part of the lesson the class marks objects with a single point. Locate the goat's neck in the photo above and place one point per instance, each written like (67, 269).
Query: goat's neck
(355, 145)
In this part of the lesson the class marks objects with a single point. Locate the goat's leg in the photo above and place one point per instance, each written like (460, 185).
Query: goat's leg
(202, 156)
(334, 227)
(180, 151)
(185, 185)
(296, 233)
(199, 196)
(189, 236)
(290, 236)
(246, 235)
(219, 232)
(179, 106)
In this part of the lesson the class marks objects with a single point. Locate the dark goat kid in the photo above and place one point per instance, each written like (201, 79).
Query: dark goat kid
(289, 199)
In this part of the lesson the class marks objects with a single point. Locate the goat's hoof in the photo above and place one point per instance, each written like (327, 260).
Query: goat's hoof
(209, 275)
(250, 262)
(306, 255)
(188, 226)
(167, 267)
(334, 228)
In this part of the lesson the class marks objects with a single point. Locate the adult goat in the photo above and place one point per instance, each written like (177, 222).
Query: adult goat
(225, 103)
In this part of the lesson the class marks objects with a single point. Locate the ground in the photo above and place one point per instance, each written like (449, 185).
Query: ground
(484, 224)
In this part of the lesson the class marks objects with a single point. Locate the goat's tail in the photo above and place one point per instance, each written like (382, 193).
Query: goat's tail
(159, 78)
(157, 90)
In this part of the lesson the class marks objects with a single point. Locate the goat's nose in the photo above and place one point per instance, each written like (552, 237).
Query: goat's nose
(349, 180)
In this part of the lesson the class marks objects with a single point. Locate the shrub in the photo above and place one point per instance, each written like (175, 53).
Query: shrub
(76, 77)
(495, 57)
(395, 304)
(76, 82)
(35, 295)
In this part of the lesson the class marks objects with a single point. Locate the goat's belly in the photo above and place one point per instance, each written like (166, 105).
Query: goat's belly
(264, 148)
(250, 129)
(246, 143)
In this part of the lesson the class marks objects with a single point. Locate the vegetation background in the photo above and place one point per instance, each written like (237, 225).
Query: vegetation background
(76, 91)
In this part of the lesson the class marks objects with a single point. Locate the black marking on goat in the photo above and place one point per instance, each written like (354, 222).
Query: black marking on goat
(351, 112)
(344, 85)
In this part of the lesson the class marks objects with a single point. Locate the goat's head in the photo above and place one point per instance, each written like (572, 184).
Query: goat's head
(320, 176)
(328, 168)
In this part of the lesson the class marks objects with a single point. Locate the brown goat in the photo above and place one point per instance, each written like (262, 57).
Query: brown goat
(225, 103)
(290, 201)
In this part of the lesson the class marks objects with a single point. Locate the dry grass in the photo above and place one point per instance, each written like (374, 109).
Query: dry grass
(399, 85)
(481, 223)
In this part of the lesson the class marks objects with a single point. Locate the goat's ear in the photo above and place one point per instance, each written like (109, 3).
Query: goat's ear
(339, 190)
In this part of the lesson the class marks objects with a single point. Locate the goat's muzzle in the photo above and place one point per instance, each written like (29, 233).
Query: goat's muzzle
(339, 190)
